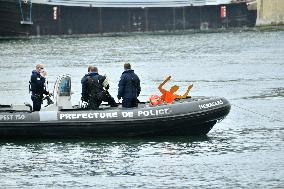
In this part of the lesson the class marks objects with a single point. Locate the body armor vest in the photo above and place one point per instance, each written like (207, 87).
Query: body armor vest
(95, 87)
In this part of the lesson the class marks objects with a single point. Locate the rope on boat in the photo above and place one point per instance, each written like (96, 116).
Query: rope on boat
(259, 114)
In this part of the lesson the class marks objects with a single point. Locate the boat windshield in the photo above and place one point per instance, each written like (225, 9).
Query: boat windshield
(65, 87)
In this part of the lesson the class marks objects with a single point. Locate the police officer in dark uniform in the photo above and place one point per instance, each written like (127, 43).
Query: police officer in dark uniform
(129, 87)
(37, 86)
(94, 89)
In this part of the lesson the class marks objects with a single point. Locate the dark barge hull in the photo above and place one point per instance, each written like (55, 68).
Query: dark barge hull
(67, 20)
(181, 120)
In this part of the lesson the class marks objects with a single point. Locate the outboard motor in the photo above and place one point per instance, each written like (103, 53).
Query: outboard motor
(62, 92)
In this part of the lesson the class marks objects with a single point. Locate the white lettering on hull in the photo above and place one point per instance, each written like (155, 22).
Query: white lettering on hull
(95, 115)
(147, 113)
(9, 117)
(127, 114)
(109, 115)
(210, 104)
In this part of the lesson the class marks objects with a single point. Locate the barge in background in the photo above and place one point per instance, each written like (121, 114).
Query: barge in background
(67, 17)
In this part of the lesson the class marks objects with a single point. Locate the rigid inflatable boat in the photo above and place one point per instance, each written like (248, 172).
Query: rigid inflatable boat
(190, 116)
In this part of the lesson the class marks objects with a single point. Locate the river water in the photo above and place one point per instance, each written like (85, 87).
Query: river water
(245, 150)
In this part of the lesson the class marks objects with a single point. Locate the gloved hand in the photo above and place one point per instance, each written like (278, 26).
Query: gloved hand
(83, 99)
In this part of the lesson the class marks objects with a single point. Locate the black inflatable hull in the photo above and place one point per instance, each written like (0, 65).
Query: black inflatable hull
(144, 121)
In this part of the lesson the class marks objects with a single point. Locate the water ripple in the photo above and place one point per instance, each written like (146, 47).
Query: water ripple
(245, 150)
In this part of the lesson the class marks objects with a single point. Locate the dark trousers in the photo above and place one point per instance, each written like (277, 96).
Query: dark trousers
(129, 102)
(37, 101)
(95, 102)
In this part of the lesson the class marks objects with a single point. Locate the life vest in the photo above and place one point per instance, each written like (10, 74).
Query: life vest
(95, 87)
(168, 97)
(37, 84)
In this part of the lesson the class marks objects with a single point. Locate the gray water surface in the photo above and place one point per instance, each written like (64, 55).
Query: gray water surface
(243, 151)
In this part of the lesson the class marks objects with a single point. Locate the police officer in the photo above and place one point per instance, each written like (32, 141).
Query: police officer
(37, 86)
(129, 87)
(94, 89)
